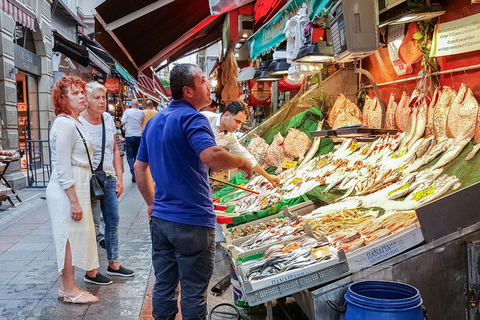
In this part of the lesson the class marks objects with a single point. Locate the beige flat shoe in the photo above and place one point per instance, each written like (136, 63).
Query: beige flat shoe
(74, 299)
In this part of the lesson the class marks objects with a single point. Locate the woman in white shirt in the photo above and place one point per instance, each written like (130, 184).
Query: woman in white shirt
(68, 192)
(91, 118)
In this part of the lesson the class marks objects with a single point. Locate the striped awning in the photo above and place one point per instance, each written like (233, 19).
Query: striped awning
(152, 87)
(19, 14)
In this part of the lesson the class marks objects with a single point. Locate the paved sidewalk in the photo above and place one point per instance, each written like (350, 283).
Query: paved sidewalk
(28, 268)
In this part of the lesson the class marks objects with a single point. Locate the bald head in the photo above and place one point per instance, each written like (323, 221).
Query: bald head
(149, 104)
(135, 104)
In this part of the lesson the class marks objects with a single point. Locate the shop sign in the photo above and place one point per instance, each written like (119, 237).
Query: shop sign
(27, 61)
(458, 36)
(271, 34)
(112, 85)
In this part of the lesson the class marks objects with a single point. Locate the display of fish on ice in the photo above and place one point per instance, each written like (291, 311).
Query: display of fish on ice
(275, 155)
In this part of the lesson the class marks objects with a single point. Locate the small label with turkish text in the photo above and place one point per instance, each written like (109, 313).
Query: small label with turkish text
(321, 162)
(291, 247)
(423, 193)
(294, 181)
(289, 164)
(405, 186)
(354, 146)
(398, 155)
(264, 201)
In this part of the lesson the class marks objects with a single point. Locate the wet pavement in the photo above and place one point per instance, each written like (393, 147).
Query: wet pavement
(28, 269)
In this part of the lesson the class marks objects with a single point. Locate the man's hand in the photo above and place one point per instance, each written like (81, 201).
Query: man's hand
(247, 168)
(150, 211)
(274, 180)
(119, 187)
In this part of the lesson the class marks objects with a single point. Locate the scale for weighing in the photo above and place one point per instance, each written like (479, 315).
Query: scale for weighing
(357, 132)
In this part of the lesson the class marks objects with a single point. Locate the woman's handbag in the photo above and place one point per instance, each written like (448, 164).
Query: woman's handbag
(97, 182)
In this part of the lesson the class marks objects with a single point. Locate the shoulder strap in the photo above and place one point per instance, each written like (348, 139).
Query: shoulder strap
(86, 148)
(100, 165)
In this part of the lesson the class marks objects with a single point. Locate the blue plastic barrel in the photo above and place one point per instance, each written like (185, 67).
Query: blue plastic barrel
(385, 300)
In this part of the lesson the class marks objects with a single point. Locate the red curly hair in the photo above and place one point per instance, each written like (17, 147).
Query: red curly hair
(59, 94)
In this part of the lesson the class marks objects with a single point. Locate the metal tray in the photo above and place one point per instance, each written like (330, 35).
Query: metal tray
(290, 282)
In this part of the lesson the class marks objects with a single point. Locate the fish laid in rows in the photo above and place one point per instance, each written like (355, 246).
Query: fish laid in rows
(430, 112)
(452, 152)
(402, 113)
(296, 143)
(462, 116)
(390, 114)
(313, 149)
(275, 155)
(440, 114)
(258, 148)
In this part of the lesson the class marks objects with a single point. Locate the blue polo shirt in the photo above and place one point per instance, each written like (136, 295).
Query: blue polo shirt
(171, 143)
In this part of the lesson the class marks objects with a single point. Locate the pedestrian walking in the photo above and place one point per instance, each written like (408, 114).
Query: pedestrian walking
(132, 121)
(178, 146)
(149, 112)
(101, 127)
(68, 192)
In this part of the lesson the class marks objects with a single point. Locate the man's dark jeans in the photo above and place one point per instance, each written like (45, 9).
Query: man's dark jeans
(131, 147)
(185, 253)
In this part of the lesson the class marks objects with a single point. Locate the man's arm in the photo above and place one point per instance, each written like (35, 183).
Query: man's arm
(218, 159)
(274, 180)
(145, 184)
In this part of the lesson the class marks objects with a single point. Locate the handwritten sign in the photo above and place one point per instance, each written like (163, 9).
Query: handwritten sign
(405, 186)
(423, 193)
(294, 181)
(289, 164)
(263, 202)
(291, 247)
(458, 36)
(354, 146)
(399, 154)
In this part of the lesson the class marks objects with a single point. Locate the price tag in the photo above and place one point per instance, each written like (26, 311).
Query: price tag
(242, 185)
(289, 164)
(364, 151)
(405, 186)
(354, 146)
(321, 252)
(423, 193)
(398, 155)
(321, 162)
(291, 247)
(401, 168)
(264, 201)
(294, 181)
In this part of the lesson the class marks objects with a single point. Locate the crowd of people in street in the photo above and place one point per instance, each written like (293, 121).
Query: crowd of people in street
(170, 154)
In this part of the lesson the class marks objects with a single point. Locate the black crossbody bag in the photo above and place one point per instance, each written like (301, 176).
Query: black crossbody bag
(97, 182)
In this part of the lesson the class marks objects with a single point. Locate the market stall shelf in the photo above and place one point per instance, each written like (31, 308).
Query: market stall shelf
(4, 194)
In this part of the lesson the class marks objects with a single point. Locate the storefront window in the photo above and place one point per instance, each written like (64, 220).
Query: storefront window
(24, 38)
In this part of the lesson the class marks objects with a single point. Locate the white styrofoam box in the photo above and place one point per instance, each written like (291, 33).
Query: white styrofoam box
(385, 248)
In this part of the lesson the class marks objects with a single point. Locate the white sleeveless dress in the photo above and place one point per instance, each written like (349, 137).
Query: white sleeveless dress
(70, 166)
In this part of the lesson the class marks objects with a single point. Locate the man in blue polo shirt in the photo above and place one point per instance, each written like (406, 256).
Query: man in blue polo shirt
(178, 146)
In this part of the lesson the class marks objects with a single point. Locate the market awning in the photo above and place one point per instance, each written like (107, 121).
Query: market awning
(153, 87)
(142, 34)
(271, 34)
(19, 12)
(79, 53)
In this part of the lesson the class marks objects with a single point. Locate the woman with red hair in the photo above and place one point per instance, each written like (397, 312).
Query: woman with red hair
(68, 192)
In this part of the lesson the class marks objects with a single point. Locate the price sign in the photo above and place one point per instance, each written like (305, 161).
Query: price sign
(264, 201)
(289, 164)
(242, 185)
(401, 168)
(321, 162)
(398, 155)
(291, 247)
(405, 186)
(321, 252)
(423, 193)
(294, 181)
(354, 146)
(364, 151)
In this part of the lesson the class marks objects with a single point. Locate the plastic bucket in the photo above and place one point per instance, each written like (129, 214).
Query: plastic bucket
(385, 300)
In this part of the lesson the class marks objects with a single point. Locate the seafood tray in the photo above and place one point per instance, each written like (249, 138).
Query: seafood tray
(353, 132)
(298, 209)
(385, 248)
(293, 281)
